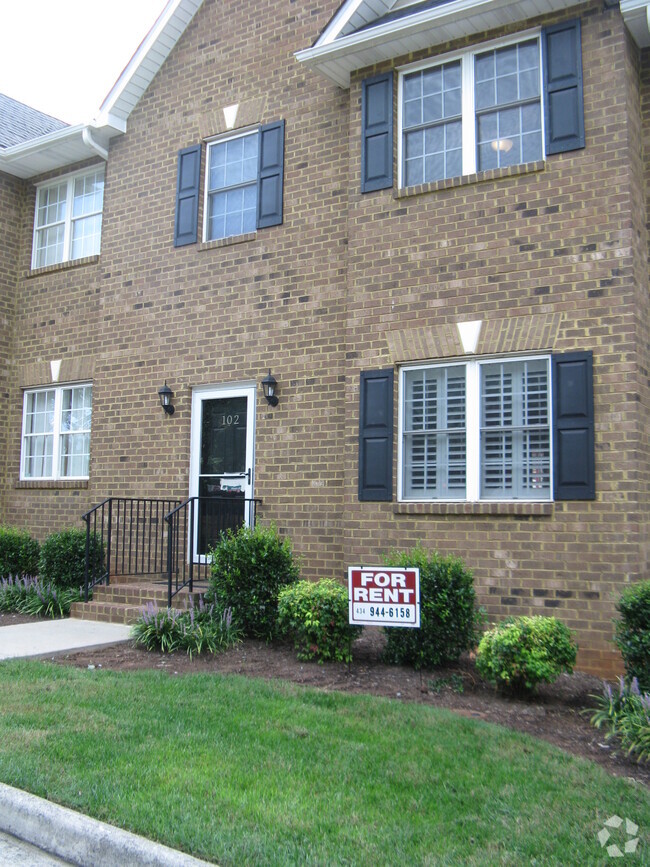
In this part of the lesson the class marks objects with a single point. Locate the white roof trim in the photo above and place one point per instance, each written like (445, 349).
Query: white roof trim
(147, 60)
(56, 150)
(636, 15)
(430, 27)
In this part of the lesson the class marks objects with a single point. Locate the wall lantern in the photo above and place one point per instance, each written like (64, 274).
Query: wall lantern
(165, 394)
(270, 385)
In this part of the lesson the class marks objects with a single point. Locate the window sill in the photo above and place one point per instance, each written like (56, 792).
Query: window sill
(51, 484)
(464, 180)
(64, 266)
(227, 242)
(485, 508)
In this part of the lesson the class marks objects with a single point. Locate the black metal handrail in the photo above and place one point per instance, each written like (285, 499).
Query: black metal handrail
(194, 527)
(125, 536)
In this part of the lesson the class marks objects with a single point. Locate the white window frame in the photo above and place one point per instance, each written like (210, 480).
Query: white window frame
(468, 115)
(241, 133)
(68, 219)
(472, 428)
(56, 432)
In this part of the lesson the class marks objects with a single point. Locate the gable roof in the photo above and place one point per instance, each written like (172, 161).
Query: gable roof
(365, 32)
(20, 122)
(60, 146)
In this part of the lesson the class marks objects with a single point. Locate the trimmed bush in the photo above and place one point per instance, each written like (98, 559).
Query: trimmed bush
(249, 568)
(19, 553)
(626, 716)
(201, 629)
(521, 652)
(314, 615)
(633, 632)
(63, 558)
(448, 616)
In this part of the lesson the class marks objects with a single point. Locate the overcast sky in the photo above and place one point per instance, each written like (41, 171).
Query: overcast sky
(63, 56)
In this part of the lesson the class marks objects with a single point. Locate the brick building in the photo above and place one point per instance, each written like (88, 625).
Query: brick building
(427, 222)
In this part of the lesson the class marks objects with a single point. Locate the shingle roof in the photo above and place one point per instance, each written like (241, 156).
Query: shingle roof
(19, 122)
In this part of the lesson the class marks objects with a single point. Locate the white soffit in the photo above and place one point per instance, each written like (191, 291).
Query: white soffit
(636, 15)
(74, 144)
(336, 56)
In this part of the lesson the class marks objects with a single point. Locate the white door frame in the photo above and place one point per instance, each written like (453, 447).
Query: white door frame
(202, 393)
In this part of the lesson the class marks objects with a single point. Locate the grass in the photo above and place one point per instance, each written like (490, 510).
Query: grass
(242, 772)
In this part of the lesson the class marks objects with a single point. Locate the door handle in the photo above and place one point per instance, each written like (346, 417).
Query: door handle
(246, 475)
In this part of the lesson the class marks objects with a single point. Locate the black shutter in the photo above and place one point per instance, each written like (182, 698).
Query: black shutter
(271, 170)
(563, 105)
(187, 196)
(377, 133)
(376, 435)
(573, 427)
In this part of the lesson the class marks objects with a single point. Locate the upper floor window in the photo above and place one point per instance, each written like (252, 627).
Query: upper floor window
(477, 430)
(476, 111)
(56, 432)
(68, 220)
(231, 186)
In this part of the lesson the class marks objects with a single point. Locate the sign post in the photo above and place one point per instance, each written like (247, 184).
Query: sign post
(384, 596)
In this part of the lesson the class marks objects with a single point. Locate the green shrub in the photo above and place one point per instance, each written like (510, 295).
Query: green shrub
(315, 616)
(202, 629)
(521, 652)
(38, 598)
(626, 715)
(448, 617)
(633, 632)
(249, 568)
(18, 553)
(63, 558)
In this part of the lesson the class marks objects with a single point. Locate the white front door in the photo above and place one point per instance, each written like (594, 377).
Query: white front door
(222, 460)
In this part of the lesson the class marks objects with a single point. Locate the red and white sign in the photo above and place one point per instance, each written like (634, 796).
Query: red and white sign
(382, 596)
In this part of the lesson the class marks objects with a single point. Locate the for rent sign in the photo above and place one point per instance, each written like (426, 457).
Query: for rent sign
(384, 596)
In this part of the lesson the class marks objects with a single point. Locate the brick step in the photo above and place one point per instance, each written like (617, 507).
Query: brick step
(141, 594)
(107, 612)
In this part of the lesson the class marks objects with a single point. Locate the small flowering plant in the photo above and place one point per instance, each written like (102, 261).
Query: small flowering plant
(29, 595)
(202, 628)
(625, 712)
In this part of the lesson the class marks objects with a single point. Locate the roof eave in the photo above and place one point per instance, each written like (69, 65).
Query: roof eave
(636, 15)
(427, 29)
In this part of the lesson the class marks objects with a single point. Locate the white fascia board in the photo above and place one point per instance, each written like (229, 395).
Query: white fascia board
(345, 49)
(148, 58)
(636, 15)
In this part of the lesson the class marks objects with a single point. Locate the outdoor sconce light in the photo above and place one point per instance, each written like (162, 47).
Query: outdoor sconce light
(165, 394)
(269, 385)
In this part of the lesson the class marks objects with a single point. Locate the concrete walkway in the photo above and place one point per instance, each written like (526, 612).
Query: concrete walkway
(56, 636)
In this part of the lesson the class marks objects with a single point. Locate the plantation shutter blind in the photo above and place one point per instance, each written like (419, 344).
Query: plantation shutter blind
(434, 433)
(573, 440)
(515, 431)
(563, 99)
(377, 133)
(376, 435)
(187, 196)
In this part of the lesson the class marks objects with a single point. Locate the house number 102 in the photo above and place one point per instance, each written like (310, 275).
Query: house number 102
(229, 420)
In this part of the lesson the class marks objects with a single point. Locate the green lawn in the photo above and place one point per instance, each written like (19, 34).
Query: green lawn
(249, 772)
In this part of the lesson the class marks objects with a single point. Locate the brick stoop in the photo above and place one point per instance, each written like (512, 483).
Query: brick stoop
(123, 600)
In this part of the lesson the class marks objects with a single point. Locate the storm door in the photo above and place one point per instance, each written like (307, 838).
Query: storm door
(221, 473)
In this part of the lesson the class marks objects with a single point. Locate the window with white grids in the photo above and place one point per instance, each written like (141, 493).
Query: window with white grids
(477, 430)
(232, 182)
(68, 220)
(56, 432)
(475, 111)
